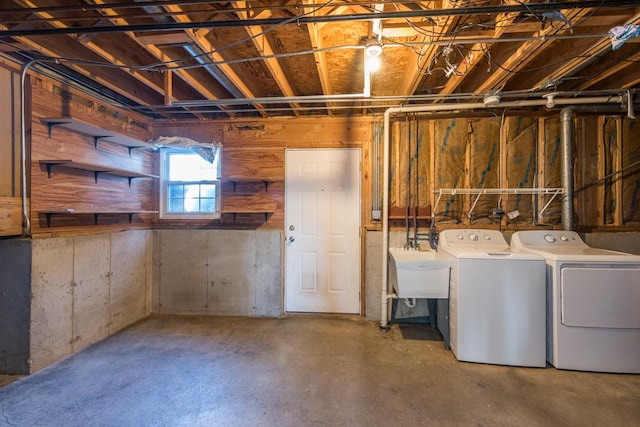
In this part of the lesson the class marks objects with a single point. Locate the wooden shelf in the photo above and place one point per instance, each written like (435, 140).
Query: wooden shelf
(96, 169)
(248, 180)
(96, 132)
(50, 213)
(235, 212)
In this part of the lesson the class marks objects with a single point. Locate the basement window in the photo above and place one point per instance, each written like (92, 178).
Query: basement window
(190, 187)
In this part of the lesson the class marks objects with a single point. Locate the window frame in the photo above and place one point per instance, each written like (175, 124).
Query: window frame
(165, 154)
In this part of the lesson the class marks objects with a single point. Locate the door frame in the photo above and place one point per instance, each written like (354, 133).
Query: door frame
(361, 234)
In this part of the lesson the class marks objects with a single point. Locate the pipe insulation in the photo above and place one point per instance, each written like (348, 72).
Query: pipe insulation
(384, 316)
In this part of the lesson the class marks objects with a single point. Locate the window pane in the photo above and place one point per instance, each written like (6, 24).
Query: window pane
(192, 204)
(207, 190)
(208, 205)
(176, 205)
(190, 167)
(176, 190)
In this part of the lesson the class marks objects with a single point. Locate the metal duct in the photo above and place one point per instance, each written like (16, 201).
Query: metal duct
(567, 141)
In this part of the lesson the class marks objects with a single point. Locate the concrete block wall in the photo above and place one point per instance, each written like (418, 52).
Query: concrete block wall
(218, 272)
(86, 288)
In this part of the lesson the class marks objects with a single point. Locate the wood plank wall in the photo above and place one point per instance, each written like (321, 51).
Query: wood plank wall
(452, 152)
(256, 148)
(78, 190)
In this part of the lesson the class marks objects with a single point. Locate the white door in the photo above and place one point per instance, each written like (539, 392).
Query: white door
(322, 228)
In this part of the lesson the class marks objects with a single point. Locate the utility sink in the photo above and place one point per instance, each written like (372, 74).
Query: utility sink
(419, 274)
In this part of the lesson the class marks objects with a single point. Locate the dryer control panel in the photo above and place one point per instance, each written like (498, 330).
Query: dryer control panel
(550, 238)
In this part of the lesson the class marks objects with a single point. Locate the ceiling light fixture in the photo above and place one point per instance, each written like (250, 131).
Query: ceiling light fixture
(491, 100)
(372, 52)
(551, 102)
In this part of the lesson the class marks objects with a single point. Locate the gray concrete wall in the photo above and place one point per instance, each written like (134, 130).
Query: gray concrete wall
(15, 305)
(621, 241)
(86, 288)
(219, 272)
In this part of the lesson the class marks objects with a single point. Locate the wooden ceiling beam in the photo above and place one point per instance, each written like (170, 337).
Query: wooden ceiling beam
(587, 57)
(89, 44)
(413, 75)
(477, 52)
(263, 45)
(526, 52)
(193, 82)
(319, 57)
(198, 38)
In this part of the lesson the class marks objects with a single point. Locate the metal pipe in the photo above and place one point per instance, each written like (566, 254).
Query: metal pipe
(566, 139)
(26, 222)
(384, 315)
(422, 13)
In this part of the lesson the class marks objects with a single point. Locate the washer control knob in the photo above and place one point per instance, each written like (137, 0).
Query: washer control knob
(473, 237)
(460, 237)
(487, 237)
(549, 238)
(564, 238)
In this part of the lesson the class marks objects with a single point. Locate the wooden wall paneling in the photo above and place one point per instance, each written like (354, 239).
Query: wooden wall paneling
(366, 189)
(631, 174)
(63, 188)
(10, 216)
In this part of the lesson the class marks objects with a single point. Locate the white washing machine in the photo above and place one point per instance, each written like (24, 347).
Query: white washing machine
(593, 302)
(496, 300)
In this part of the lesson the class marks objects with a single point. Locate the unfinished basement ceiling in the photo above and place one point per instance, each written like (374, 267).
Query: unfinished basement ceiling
(215, 59)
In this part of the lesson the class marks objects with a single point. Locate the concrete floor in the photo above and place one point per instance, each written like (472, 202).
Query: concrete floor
(302, 371)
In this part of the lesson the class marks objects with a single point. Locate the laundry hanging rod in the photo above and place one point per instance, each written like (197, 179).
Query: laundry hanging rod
(554, 192)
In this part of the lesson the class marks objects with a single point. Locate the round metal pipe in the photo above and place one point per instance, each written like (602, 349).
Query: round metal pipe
(566, 138)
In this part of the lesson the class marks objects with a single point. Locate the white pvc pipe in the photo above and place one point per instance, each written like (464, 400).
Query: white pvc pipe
(26, 221)
(384, 316)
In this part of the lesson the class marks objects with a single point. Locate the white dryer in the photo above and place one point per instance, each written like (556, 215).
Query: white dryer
(593, 302)
(496, 300)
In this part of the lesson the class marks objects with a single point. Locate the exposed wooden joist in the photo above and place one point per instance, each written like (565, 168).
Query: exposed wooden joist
(478, 50)
(201, 41)
(89, 44)
(262, 43)
(526, 52)
(413, 75)
(582, 60)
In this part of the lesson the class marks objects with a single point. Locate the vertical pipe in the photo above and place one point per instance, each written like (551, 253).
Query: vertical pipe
(384, 325)
(26, 222)
(567, 141)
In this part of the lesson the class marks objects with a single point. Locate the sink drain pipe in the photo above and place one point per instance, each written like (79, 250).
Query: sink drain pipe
(433, 108)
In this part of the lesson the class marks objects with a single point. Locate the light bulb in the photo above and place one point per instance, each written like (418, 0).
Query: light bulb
(372, 63)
